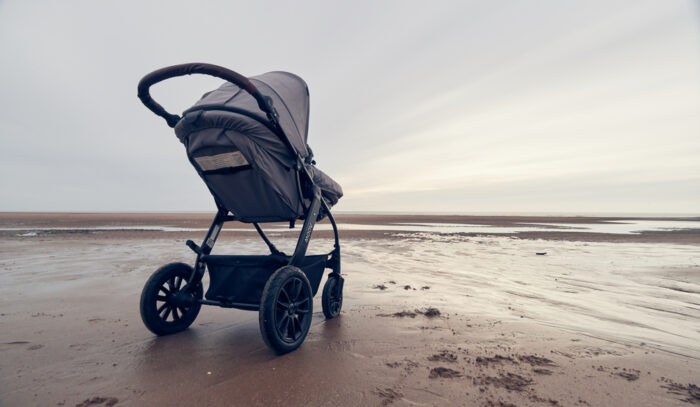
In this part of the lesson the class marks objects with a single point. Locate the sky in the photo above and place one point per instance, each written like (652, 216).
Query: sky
(455, 106)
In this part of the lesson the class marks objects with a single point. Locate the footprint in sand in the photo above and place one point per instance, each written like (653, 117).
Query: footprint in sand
(628, 374)
(689, 393)
(509, 381)
(79, 346)
(95, 320)
(388, 395)
(443, 356)
(8, 345)
(99, 401)
(443, 372)
(545, 372)
(534, 360)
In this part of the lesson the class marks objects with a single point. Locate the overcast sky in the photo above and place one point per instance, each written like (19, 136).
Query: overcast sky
(509, 106)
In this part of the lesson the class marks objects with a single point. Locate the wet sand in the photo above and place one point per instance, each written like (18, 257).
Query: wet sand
(612, 321)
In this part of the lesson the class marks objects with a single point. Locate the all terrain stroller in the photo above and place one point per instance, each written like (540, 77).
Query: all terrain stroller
(247, 141)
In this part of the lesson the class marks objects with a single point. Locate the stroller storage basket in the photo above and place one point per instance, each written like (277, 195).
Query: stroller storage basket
(241, 279)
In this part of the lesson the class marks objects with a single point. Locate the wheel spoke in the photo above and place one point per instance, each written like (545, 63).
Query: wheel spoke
(292, 290)
(282, 304)
(296, 328)
(297, 285)
(281, 319)
(178, 283)
(161, 297)
(182, 310)
(302, 302)
(302, 311)
(284, 325)
(289, 290)
(176, 316)
(290, 331)
(167, 313)
(164, 289)
(161, 308)
(286, 294)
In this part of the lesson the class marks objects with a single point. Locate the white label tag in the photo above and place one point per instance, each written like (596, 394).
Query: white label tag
(214, 234)
(219, 161)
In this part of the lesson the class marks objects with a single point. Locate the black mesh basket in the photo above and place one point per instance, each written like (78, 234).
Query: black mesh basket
(241, 279)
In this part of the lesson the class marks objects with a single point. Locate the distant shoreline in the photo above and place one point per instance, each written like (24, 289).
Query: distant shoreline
(672, 230)
(627, 215)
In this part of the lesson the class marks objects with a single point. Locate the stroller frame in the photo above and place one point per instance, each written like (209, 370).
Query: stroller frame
(240, 278)
(204, 251)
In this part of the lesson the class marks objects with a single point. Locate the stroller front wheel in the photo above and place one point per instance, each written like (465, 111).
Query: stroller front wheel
(165, 307)
(286, 306)
(332, 298)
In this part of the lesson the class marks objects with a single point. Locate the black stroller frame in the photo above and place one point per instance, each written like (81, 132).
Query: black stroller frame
(204, 251)
(281, 287)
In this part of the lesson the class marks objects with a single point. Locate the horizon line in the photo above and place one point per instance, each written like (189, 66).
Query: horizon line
(398, 213)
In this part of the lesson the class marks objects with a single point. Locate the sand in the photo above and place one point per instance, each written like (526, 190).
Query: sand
(462, 320)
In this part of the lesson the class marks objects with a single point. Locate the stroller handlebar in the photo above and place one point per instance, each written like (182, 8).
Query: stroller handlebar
(189, 69)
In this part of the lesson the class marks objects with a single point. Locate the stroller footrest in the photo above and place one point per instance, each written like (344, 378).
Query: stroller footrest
(228, 304)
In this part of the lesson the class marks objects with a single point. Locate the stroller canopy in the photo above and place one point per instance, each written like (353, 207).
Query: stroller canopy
(289, 95)
(225, 133)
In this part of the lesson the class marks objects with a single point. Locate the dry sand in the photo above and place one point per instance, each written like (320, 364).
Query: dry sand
(595, 322)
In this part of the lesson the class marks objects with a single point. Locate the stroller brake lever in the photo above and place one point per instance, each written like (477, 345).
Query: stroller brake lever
(194, 246)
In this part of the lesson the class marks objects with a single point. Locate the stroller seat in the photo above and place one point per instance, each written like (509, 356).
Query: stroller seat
(249, 169)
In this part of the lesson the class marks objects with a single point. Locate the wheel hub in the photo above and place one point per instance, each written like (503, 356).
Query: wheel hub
(180, 299)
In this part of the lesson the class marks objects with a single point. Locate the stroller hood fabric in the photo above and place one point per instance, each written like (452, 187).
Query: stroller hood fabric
(247, 167)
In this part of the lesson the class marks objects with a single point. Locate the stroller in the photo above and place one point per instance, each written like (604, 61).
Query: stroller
(255, 161)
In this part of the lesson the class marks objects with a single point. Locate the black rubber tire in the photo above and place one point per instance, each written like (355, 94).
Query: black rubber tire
(158, 309)
(286, 308)
(330, 304)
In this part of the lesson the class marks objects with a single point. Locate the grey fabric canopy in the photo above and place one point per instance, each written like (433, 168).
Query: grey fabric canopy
(248, 166)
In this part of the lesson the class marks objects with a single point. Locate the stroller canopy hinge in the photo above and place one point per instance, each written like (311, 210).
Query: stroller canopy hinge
(269, 108)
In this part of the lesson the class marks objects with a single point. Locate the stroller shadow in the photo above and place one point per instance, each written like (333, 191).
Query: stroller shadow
(329, 329)
(226, 349)
(214, 364)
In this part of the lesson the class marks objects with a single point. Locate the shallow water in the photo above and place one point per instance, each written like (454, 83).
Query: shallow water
(624, 292)
(611, 227)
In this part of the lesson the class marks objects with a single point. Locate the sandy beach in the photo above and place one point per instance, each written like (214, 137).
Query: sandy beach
(438, 311)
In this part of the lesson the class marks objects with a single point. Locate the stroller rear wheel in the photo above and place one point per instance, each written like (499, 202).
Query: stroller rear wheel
(165, 307)
(285, 309)
(332, 299)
